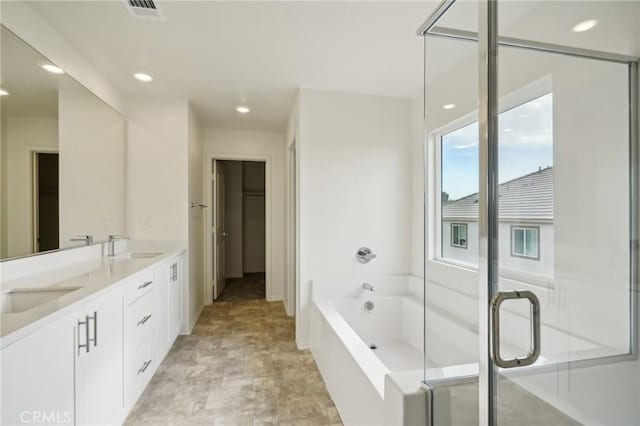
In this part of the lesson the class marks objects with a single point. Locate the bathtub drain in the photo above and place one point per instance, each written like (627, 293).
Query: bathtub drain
(373, 346)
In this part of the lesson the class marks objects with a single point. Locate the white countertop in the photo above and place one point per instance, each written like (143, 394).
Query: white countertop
(95, 276)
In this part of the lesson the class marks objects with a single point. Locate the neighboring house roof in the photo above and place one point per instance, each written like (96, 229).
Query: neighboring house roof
(528, 197)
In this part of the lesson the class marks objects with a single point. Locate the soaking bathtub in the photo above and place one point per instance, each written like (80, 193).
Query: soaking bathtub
(371, 355)
(357, 349)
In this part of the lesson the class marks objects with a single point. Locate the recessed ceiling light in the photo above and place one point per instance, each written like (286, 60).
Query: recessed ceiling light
(3, 92)
(52, 69)
(584, 26)
(143, 77)
(449, 106)
(243, 109)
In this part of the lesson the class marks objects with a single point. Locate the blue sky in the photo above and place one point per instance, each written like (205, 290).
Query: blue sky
(526, 143)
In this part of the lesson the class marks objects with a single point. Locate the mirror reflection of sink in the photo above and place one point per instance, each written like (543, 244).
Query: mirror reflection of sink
(23, 299)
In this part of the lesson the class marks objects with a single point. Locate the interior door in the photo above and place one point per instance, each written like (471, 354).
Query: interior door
(558, 264)
(218, 233)
(46, 201)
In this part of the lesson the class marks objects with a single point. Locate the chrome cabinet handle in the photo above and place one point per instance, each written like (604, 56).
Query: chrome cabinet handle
(146, 284)
(144, 367)
(495, 304)
(144, 319)
(86, 335)
(174, 272)
(95, 328)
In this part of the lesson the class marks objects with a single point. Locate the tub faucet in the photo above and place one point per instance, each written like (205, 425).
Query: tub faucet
(367, 286)
(365, 255)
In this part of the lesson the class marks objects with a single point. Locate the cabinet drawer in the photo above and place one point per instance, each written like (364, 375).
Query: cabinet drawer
(139, 320)
(138, 286)
(139, 368)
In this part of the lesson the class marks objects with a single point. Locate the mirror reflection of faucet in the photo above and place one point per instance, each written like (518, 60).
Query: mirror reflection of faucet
(87, 239)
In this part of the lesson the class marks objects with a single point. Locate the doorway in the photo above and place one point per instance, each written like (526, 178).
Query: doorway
(46, 229)
(238, 230)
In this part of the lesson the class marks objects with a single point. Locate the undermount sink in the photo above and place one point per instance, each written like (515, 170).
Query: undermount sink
(23, 299)
(144, 255)
(136, 255)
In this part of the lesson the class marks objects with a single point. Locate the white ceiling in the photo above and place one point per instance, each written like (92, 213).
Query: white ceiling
(220, 54)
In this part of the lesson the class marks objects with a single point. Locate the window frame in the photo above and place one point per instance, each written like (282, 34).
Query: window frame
(466, 233)
(525, 228)
(433, 179)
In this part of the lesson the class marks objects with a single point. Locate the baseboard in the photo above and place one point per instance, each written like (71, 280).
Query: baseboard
(302, 345)
(194, 319)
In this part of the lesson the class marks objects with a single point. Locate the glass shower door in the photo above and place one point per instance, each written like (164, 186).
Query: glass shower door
(558, 214)
(531, 230)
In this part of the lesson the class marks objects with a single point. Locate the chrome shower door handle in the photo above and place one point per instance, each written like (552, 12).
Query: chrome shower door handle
(494, 307)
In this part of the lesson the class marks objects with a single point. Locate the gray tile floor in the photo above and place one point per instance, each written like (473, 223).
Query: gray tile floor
(239, 367)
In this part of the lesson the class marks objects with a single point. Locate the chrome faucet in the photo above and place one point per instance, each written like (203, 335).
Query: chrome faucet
(88, 239)
(367, 286)
(365, 255)
(112, 243)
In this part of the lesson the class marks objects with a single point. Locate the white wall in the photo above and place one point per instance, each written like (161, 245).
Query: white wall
(91, 166)
(239, 144)
(21, 136)
(196, 219)
(354, 186)
(417, 185)
(233, 218)
(292, 212)
(163, 171)
(157, 170)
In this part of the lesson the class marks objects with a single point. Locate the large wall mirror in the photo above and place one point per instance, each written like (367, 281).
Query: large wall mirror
(61, 160)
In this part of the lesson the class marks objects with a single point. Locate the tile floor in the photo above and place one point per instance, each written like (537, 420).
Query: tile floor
(239, 367)
(249, 287)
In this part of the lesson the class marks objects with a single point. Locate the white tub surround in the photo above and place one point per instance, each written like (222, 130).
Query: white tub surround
(107, 330)
(342, 333)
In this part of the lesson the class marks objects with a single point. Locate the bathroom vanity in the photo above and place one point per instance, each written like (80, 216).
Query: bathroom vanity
(81, 346)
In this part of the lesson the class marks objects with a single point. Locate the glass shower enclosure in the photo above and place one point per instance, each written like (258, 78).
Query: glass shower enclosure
(531, 212)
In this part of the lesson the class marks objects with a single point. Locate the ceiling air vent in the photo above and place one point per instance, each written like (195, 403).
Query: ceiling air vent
(144, 9)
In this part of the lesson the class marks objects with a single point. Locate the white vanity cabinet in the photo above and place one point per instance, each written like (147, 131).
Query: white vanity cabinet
(98, 361)
(69, 371)
(37, 376)
(90, 365)
(175, 297)
(168, 304)
(139, 323)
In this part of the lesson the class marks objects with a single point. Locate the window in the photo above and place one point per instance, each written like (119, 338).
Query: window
(525, 242)
(525, 136)
(459, 235)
